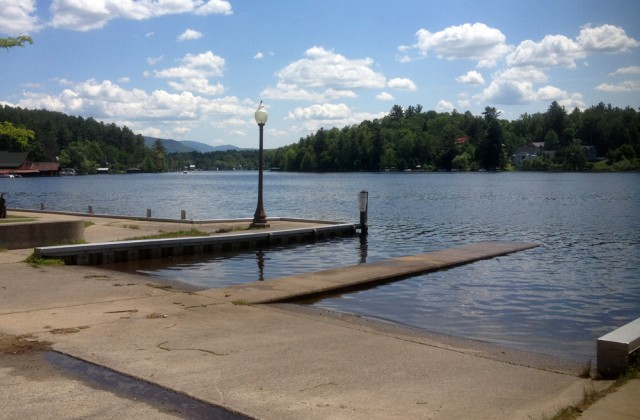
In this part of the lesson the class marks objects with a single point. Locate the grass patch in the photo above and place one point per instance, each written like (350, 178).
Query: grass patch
(73, 242)
(241, 302)
(233, 229)
(16, 219)
(168, 235)
(585, 372)
(590, 396)
(34, 261)
(159, 286)
(88, 223)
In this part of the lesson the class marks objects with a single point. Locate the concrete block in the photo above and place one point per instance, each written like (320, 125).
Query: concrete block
(20, 235)
(615, 348)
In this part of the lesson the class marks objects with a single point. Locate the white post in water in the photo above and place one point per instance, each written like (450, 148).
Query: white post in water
(363, 205)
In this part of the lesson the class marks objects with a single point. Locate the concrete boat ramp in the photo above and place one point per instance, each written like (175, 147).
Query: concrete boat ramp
(270, 361)
(291, 288)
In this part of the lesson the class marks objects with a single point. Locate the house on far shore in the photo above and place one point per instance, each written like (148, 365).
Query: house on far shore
(16, 164)
(530, 151)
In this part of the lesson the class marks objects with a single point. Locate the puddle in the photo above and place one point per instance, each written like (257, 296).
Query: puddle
(128, 387)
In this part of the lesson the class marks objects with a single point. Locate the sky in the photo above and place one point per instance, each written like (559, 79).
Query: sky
(197, 69)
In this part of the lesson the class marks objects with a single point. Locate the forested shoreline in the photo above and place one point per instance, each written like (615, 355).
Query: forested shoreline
(405, 139)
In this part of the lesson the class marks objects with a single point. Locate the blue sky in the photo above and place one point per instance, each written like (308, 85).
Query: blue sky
(197, 69)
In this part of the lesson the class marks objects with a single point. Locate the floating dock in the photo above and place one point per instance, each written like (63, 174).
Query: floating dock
(132, 250)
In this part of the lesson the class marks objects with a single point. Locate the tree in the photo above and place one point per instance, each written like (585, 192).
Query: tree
(556, 120)
(489, 150)
(11, 42)
(15, 139)
(158, 156)
(84, 156)
(551, 140)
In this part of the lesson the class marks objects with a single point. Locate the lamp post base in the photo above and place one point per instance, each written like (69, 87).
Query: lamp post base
(259, 225)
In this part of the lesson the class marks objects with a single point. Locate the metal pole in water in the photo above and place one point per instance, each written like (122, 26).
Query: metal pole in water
(363, 204)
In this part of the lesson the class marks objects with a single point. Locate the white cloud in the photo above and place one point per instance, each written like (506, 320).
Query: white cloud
(284, 91)
(551, 93)
(229, 122)
(194, 72)
(18, 17)
(158, 112)
(626, 70)
(559, 50)
(553, 50)
(314, 117)
(324, 68)
(214, 7)
(94, 14)
(259, 55)
(200, 85)
(471, 78)
(606, 38)
(324, 75)
(529, 73)
(152, 61)
(507, 92)
(190, 34)
(324, 111)
(402, 84)
(476, 42)
(513, 92)
(463, 101)
(384, 96)
(625, 86)
(444, 106)
(327, 115)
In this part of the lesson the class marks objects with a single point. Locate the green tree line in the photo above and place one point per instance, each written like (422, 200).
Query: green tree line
(76, 142)
(408, 138)
(414, 139)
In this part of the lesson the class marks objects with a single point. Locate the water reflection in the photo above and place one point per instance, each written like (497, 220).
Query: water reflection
(260, 261)
(364, 247)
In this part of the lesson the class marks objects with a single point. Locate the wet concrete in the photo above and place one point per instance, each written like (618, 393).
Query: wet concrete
(126, 386)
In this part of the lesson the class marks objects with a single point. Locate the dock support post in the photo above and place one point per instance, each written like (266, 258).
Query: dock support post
(90, 209)
(148, 212)
(41, 205)
(363, 204)
(183, 214)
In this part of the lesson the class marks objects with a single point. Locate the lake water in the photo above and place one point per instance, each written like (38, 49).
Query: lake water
(580, 283)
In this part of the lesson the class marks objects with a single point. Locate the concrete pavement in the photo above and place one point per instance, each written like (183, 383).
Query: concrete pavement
(266, 361)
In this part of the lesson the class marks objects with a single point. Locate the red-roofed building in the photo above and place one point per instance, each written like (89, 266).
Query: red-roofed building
(462, 140)
(15, 163)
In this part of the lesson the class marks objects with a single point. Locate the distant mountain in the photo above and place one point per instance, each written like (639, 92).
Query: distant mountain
(186, 146)
(204, 148)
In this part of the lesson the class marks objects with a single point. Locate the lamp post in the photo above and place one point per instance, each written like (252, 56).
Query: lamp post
(260, 217)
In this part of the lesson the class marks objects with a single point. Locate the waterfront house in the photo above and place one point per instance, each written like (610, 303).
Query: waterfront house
(16, 163)
(530, 151)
